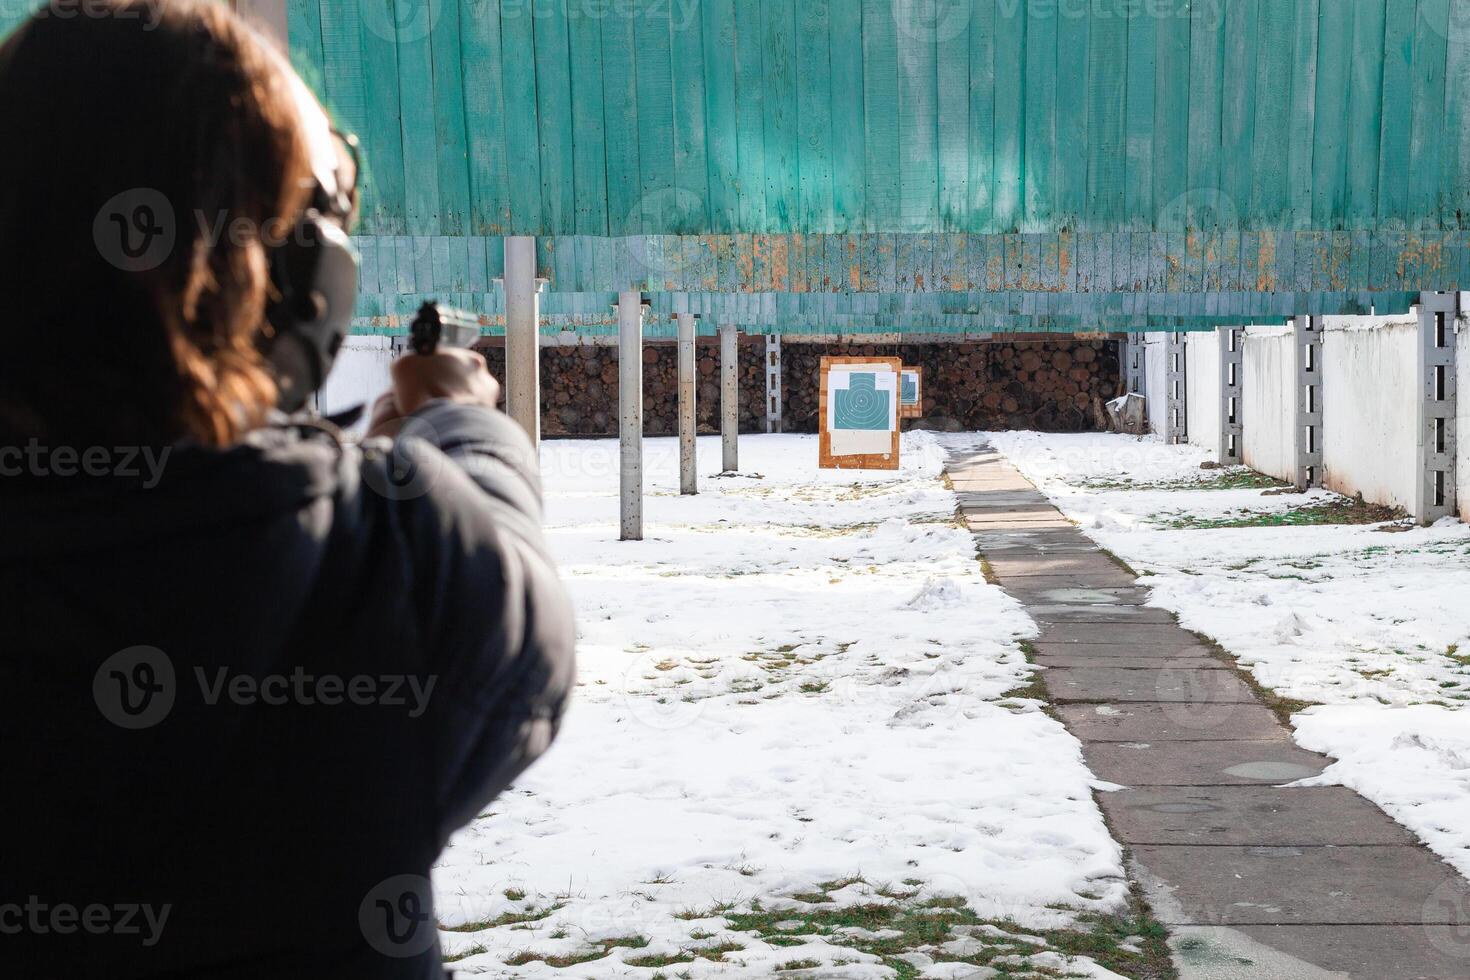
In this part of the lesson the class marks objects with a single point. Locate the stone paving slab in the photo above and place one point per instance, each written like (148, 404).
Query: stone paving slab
(1266, 762)
(1187, 646)
(1094, 613)
(1286, 885)
(1014, 519)
(1130, 722)
(1089, 567)
(1130, 663)
(1169, 683)
(1249, 815)
(1319, 952)
(1051, 542)
(1062, 591)
(1256, 880)
(1124, 634)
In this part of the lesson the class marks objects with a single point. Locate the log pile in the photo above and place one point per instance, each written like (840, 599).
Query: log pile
(1047, 385)
(579, 387)
(1051, 385)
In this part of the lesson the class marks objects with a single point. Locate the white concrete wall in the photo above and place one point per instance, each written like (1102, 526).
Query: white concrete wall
(1370, 409)
(1155, 373)
(359, 375)
(1462, 421)
(1269, 402)
(1202, 388)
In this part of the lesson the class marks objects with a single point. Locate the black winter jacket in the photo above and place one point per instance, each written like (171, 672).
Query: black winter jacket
(248, 695)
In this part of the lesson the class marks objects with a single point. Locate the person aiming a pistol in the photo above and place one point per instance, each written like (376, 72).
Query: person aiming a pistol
(257, 675)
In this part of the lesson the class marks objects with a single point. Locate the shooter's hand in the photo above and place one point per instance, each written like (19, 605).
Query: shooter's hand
(454, 374)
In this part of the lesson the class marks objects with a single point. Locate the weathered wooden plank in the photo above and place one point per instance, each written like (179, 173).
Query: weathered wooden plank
(1393, 161)
(621, 110)
(1172, 83)
(952, 35)
(1206, 80)
(484, 112)
(1301, 133)
(420, 149)
(1039, 164)
(1008, 183)
(589, 142)
(814, 115)
(1426, 133)
(1238, 110)
(1329, 140)
(449, 123)
(1455, 180)
(717, 22)
(1364, 114)
(750, 101)
(689, 140)
(522, 138)
(778, 44)
(1076, 89)
(849, 166)
(1141, 68)
(659, 203)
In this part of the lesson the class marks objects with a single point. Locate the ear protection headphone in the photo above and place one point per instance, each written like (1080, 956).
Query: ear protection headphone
(314, 275)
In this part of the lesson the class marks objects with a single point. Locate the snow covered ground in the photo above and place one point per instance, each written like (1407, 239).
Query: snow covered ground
(1372, 627)
(791, 709)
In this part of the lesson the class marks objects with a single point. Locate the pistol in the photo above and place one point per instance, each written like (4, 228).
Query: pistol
(436, 326)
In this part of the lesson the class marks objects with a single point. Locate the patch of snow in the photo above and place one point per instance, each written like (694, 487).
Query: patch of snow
(792, 681)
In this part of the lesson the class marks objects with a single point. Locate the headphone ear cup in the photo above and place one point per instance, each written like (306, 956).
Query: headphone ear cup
(315, 276)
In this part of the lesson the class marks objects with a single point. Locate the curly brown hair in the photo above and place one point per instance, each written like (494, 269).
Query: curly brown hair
(150, 150)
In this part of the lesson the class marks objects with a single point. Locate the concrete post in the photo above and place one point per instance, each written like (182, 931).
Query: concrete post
(688, 418)
(630, 414)
(1176, 381)
(773, 382)
(730, 396)
(1133, 364)
(1307, 434)
(1232, 374)
(522, 336)
(1437, 494)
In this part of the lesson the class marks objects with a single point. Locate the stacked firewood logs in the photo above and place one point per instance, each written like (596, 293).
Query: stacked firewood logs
(1052, 385)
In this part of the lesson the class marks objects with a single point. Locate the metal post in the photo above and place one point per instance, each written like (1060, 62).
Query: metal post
(1176, 415)
(688, 420)
(1307, 438)
(522, 343)
(1134, 365)
(730, 396)
(1232, 375)
(773, 382)
(630, 413)
(1438, 395)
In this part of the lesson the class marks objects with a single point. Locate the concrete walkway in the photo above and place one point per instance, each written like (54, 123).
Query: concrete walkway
(1251, 879)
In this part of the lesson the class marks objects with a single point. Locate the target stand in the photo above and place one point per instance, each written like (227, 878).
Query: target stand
(858, 412)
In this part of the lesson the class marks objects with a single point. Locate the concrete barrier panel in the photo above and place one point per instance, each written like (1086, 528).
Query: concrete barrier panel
(1270, 402)
(1202, 394)
(1462, 421)
(1369, 378)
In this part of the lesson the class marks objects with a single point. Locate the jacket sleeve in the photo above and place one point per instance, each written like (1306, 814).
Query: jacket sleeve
(497, 625)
